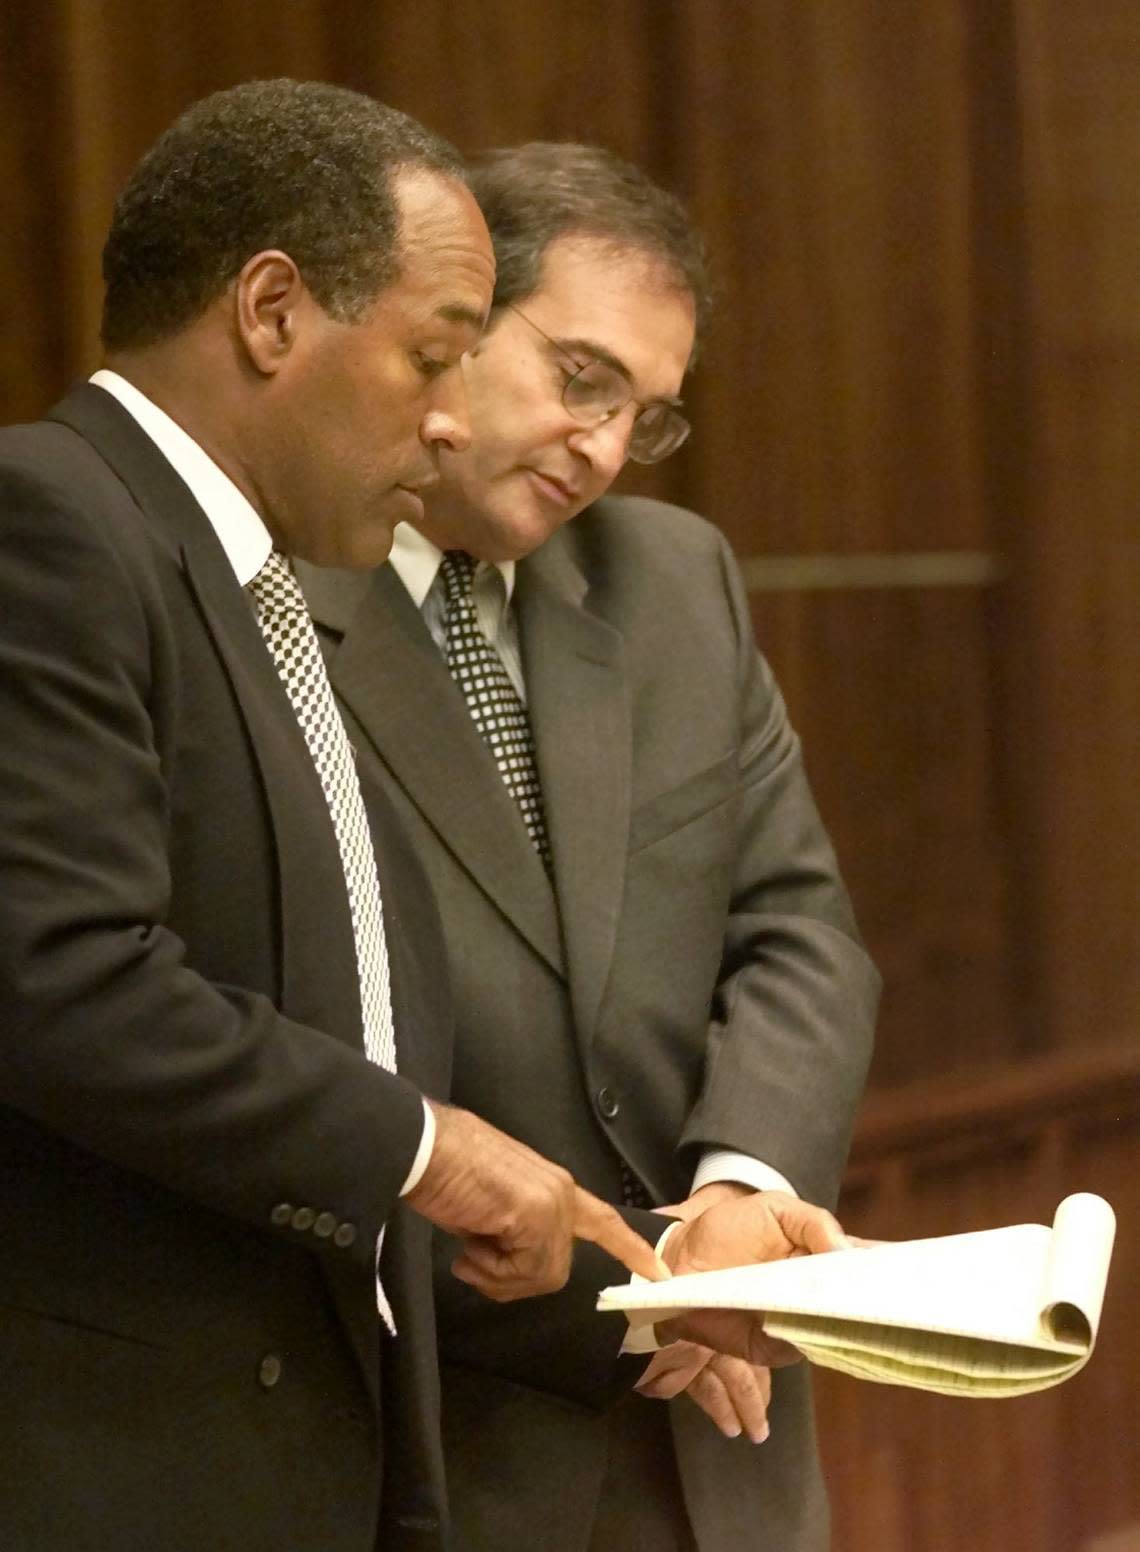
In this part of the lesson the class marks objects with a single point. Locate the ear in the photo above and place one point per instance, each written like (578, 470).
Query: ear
(268, 294)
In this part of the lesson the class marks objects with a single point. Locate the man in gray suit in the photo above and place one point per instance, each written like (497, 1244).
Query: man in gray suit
(659, 979)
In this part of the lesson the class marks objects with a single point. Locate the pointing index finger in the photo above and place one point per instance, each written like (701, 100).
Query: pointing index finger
(604, 1226)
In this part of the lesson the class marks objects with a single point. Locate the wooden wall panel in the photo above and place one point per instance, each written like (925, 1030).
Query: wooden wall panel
(488, 75)
(826, 150)
(1076, 675)
(32, 309)
(891, 691)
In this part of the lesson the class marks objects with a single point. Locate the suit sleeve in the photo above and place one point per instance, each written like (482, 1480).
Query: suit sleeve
(111, 1040)
(558, 1342)
(795, 1000)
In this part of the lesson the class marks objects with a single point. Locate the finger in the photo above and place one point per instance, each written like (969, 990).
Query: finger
(710, 1394)
(749, 1389)
(736, 1332)
(811, 1228)
(506, 1273)
(604, 1226)
(672, 1370)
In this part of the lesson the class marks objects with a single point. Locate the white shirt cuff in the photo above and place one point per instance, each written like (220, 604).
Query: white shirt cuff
(415, 1175)
(643, 1339)
(423, 1152)
(723, 1164)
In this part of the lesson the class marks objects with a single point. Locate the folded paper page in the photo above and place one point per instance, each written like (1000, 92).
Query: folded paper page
(992, 1313)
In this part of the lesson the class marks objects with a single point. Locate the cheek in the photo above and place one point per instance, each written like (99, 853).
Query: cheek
(513, 418)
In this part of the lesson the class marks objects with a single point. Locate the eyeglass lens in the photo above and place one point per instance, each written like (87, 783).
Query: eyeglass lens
(596, 392)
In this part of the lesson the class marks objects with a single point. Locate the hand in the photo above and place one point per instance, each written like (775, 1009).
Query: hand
(517, 1213)
(707, 1196)
(732, 1392)
(736, 1231)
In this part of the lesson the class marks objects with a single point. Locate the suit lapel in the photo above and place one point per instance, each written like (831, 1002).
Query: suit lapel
(319, 983)
(318, 967)
(579, 707)
(391, 678)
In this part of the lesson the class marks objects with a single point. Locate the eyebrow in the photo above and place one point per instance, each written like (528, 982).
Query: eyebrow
(599, 352)
(458, 312)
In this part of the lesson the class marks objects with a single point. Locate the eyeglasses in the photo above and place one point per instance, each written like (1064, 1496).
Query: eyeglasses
(596, 392)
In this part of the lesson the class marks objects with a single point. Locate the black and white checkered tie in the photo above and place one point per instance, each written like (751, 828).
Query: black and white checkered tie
(502, 719)
(494, 703)
(293, 645)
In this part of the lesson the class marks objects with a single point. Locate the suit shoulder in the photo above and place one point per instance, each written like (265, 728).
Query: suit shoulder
(641, 525)
(62, 505)
(50, 465)
(641, 520)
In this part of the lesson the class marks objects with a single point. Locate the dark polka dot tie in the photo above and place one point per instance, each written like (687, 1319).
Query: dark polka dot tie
(492, 699)
(501, 718)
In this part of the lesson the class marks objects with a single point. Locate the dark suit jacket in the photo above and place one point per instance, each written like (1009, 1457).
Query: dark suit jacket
(695, 978)
(186, 1360)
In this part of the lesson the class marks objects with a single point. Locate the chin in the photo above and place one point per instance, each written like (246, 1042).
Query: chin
(372, 550)
(358, 549)
(515, 540)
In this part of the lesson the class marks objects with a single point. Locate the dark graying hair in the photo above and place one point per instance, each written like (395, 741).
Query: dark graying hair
(296, 165)
(532, 194)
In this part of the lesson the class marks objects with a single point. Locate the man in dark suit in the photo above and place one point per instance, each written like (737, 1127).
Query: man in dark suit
(659, 979)
(212, 953)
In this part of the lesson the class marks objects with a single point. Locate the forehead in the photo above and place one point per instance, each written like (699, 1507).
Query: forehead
(621, 298)
(447, 265)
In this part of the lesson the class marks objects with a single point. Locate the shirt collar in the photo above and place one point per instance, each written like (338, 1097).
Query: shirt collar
(242, 534)
(415, 560)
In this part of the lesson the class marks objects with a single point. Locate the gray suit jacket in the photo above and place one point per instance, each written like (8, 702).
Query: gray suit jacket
(693, 979)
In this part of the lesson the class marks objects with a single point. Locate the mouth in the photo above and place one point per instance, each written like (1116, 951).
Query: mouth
(417, 487)
(560, 491)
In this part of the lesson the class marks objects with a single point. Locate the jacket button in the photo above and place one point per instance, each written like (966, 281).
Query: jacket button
(608, 1103)
(269, 1371)
(344, 1235)
(304, 1218)
(325, 1224)
(282, 1214)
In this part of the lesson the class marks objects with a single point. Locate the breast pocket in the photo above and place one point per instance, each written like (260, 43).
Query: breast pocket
(671, 811)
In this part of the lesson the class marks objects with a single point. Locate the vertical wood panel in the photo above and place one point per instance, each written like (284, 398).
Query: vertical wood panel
(892, 697)
(1077, 677)
(32, 309)
(827, 154)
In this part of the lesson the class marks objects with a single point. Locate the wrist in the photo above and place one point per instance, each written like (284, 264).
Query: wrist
(715, 1191)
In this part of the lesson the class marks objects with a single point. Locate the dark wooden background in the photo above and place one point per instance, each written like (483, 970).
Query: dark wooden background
(915, 418)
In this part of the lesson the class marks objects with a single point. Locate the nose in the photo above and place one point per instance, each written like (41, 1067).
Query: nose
(605, 445)
(447, 420)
